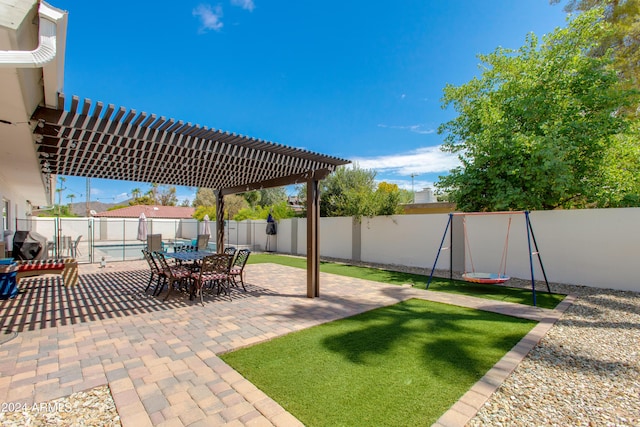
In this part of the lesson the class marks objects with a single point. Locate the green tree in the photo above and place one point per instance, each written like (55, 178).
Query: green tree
(59, 190)
(406, 196)
(387, 199)
(252, 197)
(116, 207)
(353, 192)
(535, 130)
(203, 210)
(233, 203)
(157, 195)
(623, 41)
(273, 196)
(145, 199)
(135, 193)
(348, 192)
(58, 210)
(153, 193)
(204, 197)
(167, 196)
(280, 210)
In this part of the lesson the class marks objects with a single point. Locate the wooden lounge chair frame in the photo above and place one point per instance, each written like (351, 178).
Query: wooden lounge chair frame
(67, 267)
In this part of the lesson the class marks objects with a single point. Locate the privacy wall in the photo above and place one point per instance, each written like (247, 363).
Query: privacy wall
(592, 247)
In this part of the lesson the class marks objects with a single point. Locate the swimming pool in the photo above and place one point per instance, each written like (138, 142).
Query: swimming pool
(118, 252)
(132, 251)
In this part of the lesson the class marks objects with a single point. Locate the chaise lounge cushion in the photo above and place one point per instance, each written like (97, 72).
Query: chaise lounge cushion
(41, 265)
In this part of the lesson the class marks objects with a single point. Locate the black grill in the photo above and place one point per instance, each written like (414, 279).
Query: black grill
(28, 245)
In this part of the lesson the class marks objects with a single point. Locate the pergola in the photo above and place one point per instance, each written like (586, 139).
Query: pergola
(98, 142)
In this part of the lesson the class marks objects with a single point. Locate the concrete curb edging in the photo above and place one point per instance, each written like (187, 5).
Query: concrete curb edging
(471, 402)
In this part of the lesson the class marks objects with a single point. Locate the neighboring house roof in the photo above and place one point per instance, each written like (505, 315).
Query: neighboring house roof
(168, 212)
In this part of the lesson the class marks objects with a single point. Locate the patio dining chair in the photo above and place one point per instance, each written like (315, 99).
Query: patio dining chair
(214, 270)
(175, 275)
(155, 271)
(202, 242)
(237, 269)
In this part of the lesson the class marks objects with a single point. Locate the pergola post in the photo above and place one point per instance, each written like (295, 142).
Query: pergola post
(313, 241)
(219, 222)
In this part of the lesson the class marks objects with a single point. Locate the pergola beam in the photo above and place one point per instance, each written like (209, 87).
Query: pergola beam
(278, 182)
(122, 144)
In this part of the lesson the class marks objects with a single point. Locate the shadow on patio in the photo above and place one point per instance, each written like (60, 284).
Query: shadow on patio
(43, 302)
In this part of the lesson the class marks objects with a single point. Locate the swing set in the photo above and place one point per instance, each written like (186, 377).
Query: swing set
(501, 275)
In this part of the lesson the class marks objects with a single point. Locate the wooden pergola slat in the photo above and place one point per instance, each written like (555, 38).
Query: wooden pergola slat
(122, 144)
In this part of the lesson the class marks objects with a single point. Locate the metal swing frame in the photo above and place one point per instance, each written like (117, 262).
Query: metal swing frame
(531, 238)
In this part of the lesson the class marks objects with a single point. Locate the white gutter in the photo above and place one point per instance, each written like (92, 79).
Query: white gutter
(46, 50)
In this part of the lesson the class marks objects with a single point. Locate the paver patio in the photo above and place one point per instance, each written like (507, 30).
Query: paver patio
(160, 358)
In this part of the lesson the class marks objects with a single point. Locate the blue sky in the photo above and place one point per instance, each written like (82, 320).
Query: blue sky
(360, 80)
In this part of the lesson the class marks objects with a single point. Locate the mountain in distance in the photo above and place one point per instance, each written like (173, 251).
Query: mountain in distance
(80, 208)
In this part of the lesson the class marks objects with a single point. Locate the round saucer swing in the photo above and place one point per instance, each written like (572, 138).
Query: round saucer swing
(490, 278)
(486, 278)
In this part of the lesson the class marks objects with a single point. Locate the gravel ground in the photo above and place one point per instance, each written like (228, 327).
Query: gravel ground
(584, 372)
(89, 408)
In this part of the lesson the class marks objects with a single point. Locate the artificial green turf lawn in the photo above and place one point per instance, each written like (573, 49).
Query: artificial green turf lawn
(494, 292)
(404, 364)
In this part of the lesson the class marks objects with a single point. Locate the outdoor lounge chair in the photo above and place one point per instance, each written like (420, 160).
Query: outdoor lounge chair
(237, 269)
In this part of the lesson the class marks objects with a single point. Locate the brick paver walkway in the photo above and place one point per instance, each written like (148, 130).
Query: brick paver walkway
(160, 358)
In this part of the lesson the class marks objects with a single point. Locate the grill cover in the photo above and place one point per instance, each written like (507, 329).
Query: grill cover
(28, 245)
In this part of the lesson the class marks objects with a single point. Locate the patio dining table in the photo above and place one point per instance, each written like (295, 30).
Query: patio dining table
(188, 255)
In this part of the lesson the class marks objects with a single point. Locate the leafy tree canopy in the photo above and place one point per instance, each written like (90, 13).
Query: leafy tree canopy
(252, 197)
(157, 195)
(233, 204)
(273, 196)
(352, 191)
(204, 197)
(280, 210)
(540, 127)
(202, 210)
(623, 41)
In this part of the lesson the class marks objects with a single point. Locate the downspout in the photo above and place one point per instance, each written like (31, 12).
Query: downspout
(48, 55)
(46, 50)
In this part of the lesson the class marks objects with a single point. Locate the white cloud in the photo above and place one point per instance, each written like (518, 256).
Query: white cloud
(245, 4)
(419, 128)
(421, 161)
(210, 18)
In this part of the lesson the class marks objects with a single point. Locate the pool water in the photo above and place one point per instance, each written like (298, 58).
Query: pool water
(130, 251)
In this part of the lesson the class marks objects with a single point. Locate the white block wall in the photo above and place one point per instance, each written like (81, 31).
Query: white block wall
(592, 247)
